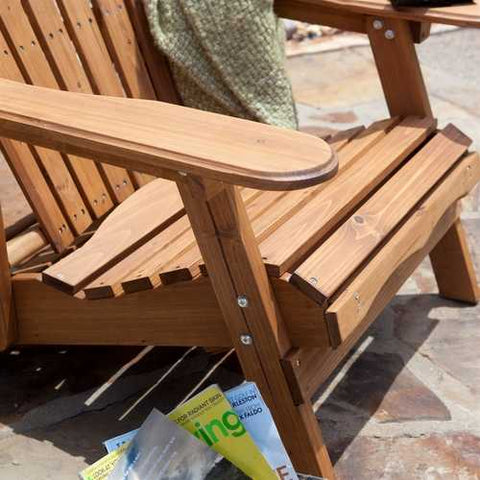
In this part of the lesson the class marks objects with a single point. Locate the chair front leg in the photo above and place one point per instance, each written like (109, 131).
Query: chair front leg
(244, 293)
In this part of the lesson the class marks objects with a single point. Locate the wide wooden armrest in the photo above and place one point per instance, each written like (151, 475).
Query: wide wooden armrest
(164, 139)
(467, 15)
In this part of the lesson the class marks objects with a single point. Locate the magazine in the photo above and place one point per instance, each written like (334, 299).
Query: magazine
(251, 420)
(253, 412)
(161, 450)
(209, 417)
(116, 442)
(101, 469)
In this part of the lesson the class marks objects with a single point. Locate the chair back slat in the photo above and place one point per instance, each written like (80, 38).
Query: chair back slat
(85, 33)
(23, 163)
(88, 46)
(155, 61)
(70, 75)
(120, 39)
(35, 69)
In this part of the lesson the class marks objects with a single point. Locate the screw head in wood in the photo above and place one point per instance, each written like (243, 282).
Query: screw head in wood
(242, 301)
(313, 281)
(182, 174)
(377, 24)
(246, 339)
(389, 34)
(298, 363)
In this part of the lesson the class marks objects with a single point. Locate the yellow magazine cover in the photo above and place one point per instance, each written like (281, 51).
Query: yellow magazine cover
(101, 469)
(210, 417)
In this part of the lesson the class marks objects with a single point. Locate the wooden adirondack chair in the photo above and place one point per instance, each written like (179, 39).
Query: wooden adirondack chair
(298, 260)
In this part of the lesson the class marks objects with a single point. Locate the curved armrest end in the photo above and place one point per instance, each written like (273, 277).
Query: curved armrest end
(164, 139)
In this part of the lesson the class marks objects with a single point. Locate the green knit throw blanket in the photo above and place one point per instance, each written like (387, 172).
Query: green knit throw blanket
(226, 56)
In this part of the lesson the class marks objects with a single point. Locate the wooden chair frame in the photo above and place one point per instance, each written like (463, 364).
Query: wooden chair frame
(287, 373)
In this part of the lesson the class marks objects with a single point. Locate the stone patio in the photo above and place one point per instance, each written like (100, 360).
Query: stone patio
(404, 405)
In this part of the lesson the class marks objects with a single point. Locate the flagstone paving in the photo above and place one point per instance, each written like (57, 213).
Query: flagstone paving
(404, 405)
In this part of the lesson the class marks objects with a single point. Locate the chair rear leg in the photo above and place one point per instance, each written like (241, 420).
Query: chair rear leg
(7, 322)
(453, 266)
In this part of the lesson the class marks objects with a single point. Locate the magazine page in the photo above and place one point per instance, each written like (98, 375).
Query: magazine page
(116, 442)
(161, 450)
(249, 405)
(101, 469)
(210, 417)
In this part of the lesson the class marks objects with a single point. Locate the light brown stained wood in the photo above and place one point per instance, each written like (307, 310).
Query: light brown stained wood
(143, 269)
(369, 292)
(173, 255)
(184, 314)
(119, 35)
(309, 368)
(160, 317)
(27, 172)
(57, 46)
(34, 66)
(399, 69)
(340, 139)
(156, 62)
(325, 270)
(284, 249)
(7, 309)
(307, 11)
(84, 31)
(467, 15)
(155, 137)
(453, 267)
(153, 208)
(25, 245)
(236, 268)
(120, 39)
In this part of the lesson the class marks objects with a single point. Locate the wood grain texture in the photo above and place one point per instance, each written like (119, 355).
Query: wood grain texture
(399, 68)
(325, 270)
(235, 267)
(467, 15)
(152, 209)
(119, 36)
(370, 291)
(84, 31)
(7, 313)
(23, 164)
(310, 12)
(25, 245)
(160, 317)
(120, 39)
(453, 267)
(191, 306)
(156, 62)
(34, 67)
(295, 238)
(151, 137)
(70, 75)
(173, 255)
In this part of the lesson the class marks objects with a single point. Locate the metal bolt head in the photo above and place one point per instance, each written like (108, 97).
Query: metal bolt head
(377, 24)
(389, 34)
(242, 301)
(313, 281)
(246, 339)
